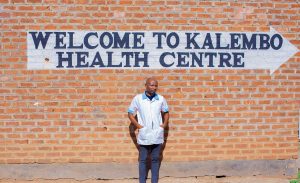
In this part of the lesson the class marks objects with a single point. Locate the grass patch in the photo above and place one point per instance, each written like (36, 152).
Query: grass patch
(296, 180)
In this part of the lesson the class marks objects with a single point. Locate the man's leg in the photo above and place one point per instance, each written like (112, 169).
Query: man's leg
(143, 153)
(155, 162)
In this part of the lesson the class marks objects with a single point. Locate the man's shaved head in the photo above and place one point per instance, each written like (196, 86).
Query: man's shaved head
(151, 86)
(148, 80)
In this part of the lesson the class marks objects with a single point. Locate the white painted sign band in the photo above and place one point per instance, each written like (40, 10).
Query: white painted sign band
(157, 50)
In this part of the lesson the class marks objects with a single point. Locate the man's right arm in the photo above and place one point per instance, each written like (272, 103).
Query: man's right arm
(134, 121)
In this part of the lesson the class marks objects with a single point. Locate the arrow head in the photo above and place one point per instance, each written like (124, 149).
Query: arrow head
(276, 58)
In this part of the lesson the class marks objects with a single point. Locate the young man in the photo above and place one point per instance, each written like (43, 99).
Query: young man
(153, 117)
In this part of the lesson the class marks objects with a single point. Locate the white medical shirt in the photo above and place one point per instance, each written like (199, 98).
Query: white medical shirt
(149, 116)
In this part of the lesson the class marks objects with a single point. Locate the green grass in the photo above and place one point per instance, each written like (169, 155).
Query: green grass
(296, 180)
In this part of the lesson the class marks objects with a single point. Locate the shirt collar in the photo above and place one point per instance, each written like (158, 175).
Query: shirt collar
(145, 97)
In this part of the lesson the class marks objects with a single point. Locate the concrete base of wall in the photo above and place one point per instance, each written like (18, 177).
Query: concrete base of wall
(83, 171)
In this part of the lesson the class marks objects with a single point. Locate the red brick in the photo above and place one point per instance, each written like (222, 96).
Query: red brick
(223, 106)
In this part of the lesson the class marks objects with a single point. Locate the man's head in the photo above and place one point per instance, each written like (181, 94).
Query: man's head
(151, 85)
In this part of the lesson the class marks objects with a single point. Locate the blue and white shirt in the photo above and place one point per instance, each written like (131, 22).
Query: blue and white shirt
(149, 116)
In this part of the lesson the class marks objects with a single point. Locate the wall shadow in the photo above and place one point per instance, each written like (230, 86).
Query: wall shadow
(166, 134)
(164, 145)
(132, 134)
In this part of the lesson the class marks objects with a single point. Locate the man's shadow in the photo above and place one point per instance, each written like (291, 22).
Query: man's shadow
(132, 132)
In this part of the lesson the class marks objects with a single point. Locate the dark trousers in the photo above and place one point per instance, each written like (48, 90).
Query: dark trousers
(154, 151)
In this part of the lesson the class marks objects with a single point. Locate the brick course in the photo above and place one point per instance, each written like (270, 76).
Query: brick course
(55, 116)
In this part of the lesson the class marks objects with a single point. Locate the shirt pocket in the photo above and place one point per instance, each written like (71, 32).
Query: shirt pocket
(142, 133)
(160, 133)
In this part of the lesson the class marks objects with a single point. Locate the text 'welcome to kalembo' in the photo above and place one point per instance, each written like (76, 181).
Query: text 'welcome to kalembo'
(146, 49)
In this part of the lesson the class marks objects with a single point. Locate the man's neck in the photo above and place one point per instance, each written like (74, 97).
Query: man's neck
(149, 94)
(150, 97)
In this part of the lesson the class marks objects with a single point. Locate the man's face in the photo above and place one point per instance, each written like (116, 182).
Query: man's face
(151, 86)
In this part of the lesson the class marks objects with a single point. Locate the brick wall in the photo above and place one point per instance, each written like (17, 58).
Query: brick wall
(49, 116)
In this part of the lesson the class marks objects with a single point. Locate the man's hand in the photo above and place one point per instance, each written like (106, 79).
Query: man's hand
(163, 126)
(165, 116)
(134, 121)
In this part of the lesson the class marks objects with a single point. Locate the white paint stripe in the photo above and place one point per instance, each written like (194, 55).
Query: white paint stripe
(253, 59)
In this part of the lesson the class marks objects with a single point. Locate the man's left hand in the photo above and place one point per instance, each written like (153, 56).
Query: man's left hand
(163, 126)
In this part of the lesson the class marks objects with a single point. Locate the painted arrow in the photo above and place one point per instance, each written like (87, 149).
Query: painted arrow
(157, 50)
(271, 59)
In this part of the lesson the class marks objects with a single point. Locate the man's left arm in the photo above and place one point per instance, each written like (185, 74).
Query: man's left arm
(164, 114)
(165, 118)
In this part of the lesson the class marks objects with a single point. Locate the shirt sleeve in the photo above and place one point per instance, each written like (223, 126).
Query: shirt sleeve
(164, 106)
(133, 106)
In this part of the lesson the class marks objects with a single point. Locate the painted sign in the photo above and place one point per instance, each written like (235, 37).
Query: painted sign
(157, 50)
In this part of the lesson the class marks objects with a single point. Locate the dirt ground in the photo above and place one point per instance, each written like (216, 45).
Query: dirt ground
(166, 180)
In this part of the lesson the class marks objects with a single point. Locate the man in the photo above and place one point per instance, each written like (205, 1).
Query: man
(153, 117)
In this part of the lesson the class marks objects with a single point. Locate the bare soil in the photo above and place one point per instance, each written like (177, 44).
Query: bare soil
(206, 179)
